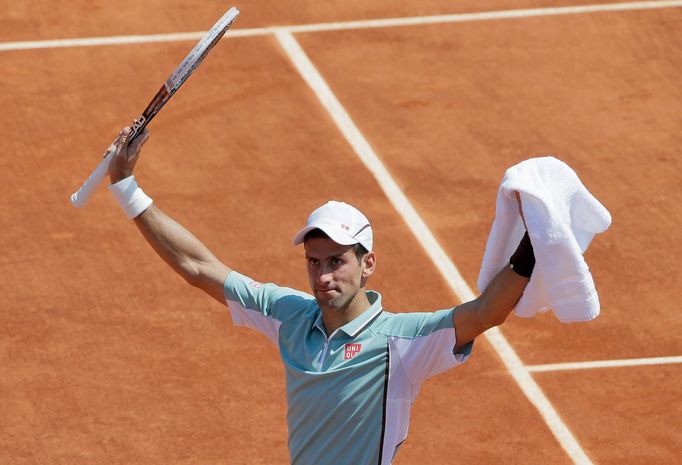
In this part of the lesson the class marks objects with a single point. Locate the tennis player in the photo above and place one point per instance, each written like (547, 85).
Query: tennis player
(352, 368)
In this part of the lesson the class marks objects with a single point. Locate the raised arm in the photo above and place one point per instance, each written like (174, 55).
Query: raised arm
(493, 306)
(186, 254)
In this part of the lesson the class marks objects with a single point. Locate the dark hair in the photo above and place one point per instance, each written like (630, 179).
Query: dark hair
(359, 249)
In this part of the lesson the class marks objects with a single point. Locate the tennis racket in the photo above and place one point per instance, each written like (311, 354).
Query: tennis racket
(170, 87)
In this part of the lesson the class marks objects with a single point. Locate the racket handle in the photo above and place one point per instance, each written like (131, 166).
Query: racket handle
(81, 196)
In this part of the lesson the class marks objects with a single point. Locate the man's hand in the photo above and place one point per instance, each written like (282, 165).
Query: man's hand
(499, 298)
(126, 154)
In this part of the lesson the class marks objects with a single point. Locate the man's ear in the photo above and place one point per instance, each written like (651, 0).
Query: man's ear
(369, 261)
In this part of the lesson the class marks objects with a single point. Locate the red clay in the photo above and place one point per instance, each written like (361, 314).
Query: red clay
(45, 20)
(632, 411)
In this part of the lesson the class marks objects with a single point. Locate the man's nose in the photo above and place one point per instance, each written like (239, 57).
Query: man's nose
(324, 276)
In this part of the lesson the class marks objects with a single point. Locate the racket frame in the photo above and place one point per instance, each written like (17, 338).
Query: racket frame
(181, 73)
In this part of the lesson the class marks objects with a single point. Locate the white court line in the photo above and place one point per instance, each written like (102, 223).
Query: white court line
(421, 231)
(633, 362)
(337, 26)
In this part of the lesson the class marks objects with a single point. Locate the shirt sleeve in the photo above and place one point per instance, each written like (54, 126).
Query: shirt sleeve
(425, 343)
(262, 306)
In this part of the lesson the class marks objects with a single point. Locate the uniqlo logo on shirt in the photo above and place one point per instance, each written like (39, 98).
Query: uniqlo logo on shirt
(352, 350)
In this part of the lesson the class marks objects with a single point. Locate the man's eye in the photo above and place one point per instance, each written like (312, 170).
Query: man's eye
(336, 261)
(312, 261)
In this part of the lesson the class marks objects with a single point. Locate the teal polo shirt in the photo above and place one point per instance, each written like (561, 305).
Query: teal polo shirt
(348, 394)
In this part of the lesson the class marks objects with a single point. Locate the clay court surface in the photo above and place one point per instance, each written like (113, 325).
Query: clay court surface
(109, 358)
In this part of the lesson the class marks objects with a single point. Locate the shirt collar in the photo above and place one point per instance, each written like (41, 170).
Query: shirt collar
(360, 322)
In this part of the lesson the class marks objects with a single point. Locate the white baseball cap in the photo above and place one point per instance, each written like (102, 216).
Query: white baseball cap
(343, 223)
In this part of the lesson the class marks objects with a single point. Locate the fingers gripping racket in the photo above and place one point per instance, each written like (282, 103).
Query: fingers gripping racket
(170, 87)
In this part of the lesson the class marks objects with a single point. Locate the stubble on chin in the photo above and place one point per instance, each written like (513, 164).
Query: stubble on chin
(331, 304)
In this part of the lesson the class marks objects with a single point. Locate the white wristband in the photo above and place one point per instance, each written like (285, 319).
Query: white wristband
(130, 197)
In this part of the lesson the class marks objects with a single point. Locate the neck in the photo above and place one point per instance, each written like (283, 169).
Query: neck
(334, 318)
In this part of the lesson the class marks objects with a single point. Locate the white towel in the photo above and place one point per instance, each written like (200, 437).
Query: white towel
(562, 218)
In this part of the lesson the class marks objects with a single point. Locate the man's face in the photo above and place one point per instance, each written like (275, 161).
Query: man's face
(334, 272)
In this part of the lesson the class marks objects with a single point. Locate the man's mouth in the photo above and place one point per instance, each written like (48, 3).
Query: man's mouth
(325, 291)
